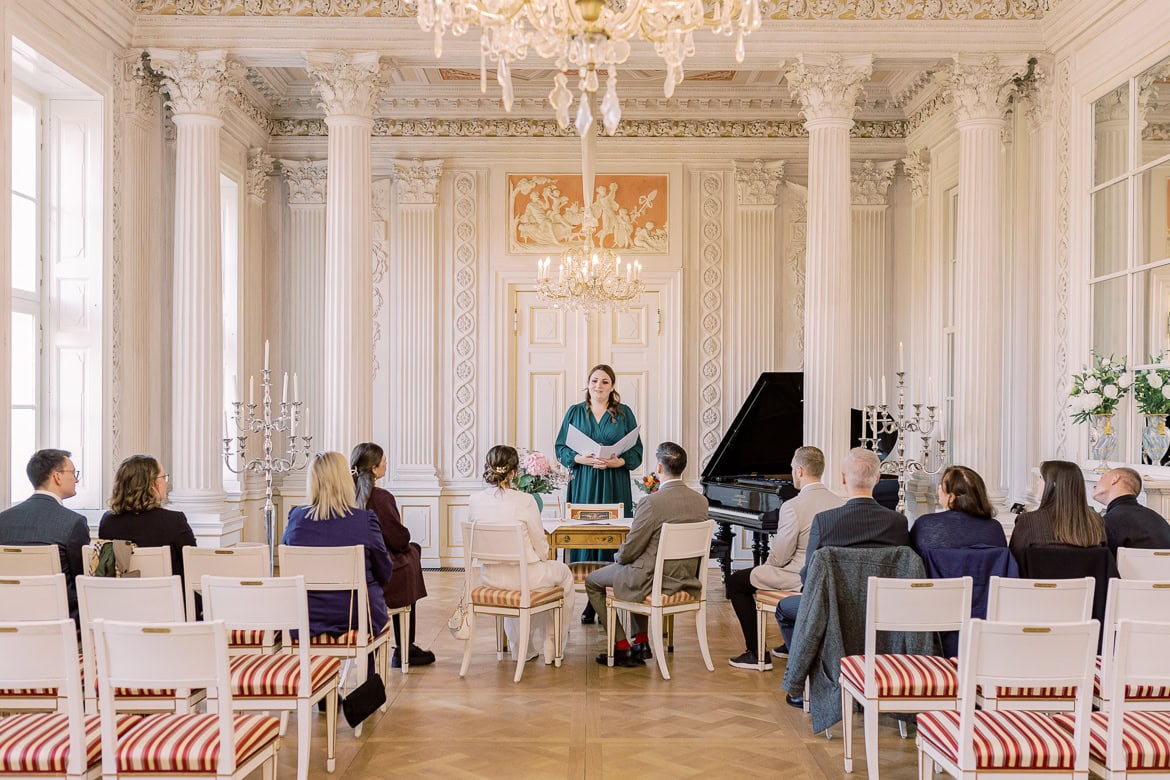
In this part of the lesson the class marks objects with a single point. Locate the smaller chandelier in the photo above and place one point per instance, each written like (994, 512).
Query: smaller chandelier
(589, 279)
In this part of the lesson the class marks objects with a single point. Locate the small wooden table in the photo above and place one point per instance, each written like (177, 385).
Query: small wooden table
(596, 535)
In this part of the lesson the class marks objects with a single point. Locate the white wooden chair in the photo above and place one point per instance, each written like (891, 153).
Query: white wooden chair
(43, 654)
(250, 562)
(505, 544)
(341, 569)
(677, 541)
(972, 744)
(150, 599)
(30, 559)
(147, 561)
(36, 597)
(1146, 600)
(1137, 564)
(766, 603)
(902, 683)
(1024, 600)
(284, 682)
(219, 743)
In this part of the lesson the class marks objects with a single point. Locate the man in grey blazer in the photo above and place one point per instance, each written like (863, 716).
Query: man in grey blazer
(42, 519)
(632, 574)
(782, 569)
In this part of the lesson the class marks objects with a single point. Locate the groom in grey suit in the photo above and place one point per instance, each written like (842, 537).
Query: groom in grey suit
(632, 574)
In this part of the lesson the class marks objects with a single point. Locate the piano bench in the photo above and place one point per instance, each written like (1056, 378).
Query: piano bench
(766, 601)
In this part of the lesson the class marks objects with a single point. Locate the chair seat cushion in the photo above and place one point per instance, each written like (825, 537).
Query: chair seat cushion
(189, 744)
(582, 569)
(39, 743)
(1016, 694)
(1004, 740)
(28, 693)
(668, 599)
(768, 599)
(278, 675)
(1145, 738)
(348, 639)
(905, 676)
(502, 597)
(1132, 692)
(246, 638)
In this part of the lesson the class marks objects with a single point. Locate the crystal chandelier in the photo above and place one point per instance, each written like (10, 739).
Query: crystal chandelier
(586, 35)
(589, 279)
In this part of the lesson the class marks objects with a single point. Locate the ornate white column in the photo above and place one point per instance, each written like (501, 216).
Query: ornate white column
(827, 87)
(196, 84)
(414, 285)
(980, 87)
(349, 86)
(753, 277)
(872, 312)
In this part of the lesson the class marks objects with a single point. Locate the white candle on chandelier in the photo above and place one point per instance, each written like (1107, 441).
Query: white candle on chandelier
(251, 391)
(617, 262)
(226, 434)
(266, 353)
(883, 389)
(637, 270)
(284, 389)
(929, 391)
(869, 393)
(901, 361)
(296, 388)
(629, 270)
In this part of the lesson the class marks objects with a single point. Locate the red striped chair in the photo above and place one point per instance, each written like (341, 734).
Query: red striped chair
(902, 683)
(43, 655)
(1130, 600)
(283, 683)
(219, 744)
(972, 743)
(33, 597)
(1127, 737)
(252, 561)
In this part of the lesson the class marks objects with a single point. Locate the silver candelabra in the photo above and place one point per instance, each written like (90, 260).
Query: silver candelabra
(880, 420)
(285, 422)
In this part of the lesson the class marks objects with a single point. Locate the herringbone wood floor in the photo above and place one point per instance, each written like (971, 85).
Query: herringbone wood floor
(588, 721)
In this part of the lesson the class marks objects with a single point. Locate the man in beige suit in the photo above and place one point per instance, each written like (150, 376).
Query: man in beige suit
(632, 574)
(782, 569)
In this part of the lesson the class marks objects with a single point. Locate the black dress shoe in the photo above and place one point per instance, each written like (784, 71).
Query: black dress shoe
(642, 651)
(589, 615)
(794, 701)
(623, 658)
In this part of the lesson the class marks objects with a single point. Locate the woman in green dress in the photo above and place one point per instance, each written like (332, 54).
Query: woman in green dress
(604, 419)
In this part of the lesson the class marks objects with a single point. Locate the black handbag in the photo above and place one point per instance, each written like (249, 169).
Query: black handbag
(363, 700)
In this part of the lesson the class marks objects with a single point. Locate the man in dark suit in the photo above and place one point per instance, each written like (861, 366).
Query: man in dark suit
(861, 522)
(42, 519)
(1128, 523)
(632, 574)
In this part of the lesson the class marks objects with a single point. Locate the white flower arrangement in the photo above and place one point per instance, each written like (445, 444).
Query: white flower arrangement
(1099, 390)
(1152, 387)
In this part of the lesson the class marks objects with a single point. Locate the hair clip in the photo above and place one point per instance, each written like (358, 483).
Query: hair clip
(354, 472)
(501, 469)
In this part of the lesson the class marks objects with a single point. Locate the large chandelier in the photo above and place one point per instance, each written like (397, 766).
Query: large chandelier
(590, 279)
(586, 35)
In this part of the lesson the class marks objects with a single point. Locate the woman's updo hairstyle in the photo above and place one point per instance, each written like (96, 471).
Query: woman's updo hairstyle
(500, 463)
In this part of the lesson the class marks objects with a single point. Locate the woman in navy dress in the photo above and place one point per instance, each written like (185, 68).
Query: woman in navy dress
(967, 518)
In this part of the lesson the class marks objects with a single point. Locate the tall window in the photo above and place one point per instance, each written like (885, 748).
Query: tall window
(26, 288)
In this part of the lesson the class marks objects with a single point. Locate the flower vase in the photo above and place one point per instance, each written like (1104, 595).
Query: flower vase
(1155, 439)
(539, 502)
(1102, 440)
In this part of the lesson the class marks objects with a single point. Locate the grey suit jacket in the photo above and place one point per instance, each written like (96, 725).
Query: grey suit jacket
(792, 529)
(41, 520)
(859, 522)
(673, 503)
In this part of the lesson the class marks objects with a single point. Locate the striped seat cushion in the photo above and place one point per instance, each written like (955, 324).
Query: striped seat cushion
(770, 598)
(905, 676)
(1132, 692)
(1145, 738)
(1016, 694)
(348, 639)
(244, 638)
(502, 597)
(278, 675)
(189, 744)
(582, 569)
(39, 693)
(668, 599)
(1003, 740)
(39, 743)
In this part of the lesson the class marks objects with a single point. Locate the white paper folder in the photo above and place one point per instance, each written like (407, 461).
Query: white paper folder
(577, 441)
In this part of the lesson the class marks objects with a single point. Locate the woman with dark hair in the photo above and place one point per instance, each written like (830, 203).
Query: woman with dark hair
(136, 514)
(966, 518)
(605, 419)
(1063, 517)
(367, 464)
(502, 504)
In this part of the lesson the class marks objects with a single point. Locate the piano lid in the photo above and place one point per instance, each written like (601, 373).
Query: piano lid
(766, 432)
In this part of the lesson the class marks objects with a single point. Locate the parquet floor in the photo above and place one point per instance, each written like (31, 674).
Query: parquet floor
(588, 721)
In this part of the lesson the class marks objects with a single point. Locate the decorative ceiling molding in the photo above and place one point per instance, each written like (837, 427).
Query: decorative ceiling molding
(1159, 132)
(940, 102)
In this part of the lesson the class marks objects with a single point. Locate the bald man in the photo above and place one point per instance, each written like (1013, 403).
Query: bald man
(1128, 523)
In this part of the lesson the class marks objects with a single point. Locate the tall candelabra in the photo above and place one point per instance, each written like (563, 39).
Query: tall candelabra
(882, 419)
(266, 425)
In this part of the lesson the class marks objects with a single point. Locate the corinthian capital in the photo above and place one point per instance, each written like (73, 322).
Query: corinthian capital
(917, 168)
(259, 166)
(196, 81)
(306, 180)
(758, 183)
(349, 84)
(982, 84)
(418, 180)
(870, 181)
(828, 85)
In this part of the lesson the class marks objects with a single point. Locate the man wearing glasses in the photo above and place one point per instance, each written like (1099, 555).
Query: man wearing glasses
(42, 519)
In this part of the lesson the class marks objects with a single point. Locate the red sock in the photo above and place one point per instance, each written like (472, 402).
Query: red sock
(641, 639)
(622, 644)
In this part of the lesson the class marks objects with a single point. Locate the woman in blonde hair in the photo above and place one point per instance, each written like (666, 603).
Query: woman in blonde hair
(333, 520)
(136, 512)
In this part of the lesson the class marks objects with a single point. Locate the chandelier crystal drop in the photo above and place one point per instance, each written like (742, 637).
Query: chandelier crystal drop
(586, 36)
(589, 279)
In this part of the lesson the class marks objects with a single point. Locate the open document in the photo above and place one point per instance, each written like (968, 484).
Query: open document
(577, 441)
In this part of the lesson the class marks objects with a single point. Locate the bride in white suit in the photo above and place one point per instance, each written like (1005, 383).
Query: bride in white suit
(501, 504)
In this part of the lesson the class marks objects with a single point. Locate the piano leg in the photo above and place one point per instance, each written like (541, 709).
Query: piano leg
(721, 548)
(759, 548)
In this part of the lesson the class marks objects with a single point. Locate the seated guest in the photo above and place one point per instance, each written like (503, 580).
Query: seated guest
(631, 575)
(42, 519)
(502, 504)
(1063, 517)
(405, 587)
(967, 517)
(782, 569)
(1128, 523)
(333, 520)
(860, 522)
(136, 513)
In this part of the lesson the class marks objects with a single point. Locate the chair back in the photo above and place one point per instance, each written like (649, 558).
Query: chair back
(1137, 564)
(250, 562)
(147, 561)
(495, 543)
(43, 654)
(30, 559)
(1058, 601)
(332, 569)
(677, 542)
(1140, 663)
(912, 605)
(1142, 600)
(42, 597)
(594, 511)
